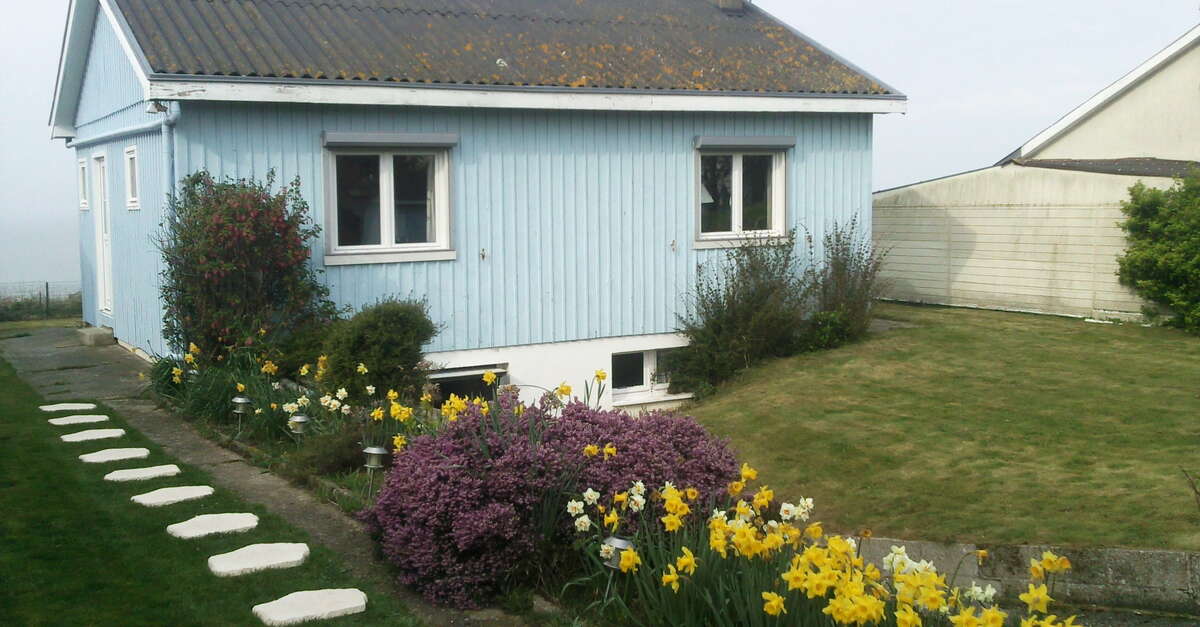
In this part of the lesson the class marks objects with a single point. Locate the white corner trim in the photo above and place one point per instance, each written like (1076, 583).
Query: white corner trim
(400, 95)
(350, 259)
(1110, 93)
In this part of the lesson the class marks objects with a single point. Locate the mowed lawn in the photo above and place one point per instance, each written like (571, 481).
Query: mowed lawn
(982, 426)
(75, 551)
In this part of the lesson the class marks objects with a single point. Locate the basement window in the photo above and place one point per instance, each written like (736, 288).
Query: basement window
(640, 372)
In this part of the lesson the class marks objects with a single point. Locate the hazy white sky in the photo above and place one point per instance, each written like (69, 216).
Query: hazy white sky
(981, 77)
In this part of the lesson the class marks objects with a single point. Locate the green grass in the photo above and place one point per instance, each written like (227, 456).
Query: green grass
(982, 426)
(76, 551)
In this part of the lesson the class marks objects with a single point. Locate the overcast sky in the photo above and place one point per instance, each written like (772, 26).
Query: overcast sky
(981, 77)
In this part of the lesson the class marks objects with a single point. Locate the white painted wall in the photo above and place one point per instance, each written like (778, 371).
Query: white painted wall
(546, 365)
(1009, 237)
(1158, 117)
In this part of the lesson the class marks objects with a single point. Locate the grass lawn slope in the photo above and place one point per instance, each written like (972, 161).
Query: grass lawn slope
(982, 426)
(76, 551)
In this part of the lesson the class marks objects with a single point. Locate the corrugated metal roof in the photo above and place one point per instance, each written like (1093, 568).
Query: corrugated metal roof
(1129, 166)
(629, 44)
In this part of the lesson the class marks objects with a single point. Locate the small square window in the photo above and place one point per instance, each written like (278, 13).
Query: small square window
(628, 370)
(741, 193)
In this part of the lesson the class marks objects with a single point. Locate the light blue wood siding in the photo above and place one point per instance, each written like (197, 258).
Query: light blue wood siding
(111, 99)
(568, 225)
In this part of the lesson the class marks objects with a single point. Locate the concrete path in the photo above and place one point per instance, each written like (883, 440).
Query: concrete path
(61, 369)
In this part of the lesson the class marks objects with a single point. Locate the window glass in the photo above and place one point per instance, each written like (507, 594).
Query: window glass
(662, 364)
(358, 200)
(413, 182)
(83, 183)
(133, 179)
(756, 192)
(716, 193)
(628, 370)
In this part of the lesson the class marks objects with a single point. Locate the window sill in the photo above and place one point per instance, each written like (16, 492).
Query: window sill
(391, 256)
(708, 243)
(644, 398)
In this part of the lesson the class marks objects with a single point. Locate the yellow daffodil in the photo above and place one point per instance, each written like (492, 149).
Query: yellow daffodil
(686, 563)
(814, 531)
(361, 369)
(563, 389)
(671, 578)
(427, 398)
(981, 555)
(241, 387)
(1037, 598)
(177, 375)
(262, 331)
(489, 377)
(763, 497)
(304, 370)
(377, 414)
(189, 358)
(591, 450)
(193, 349)
(274, 405)
(1052, 563)
(906, 617)
(610, 450)
(748, 473)
(400, 412)
(795, 577)
(671, 522)
(691, 494)
(620, 498)
(630, 561)
(399, 441)
(601, 375)
(773, 604)
(1036, 572)
(269, 367)
(392, 395)
(611, 520)
(736, 488)
(992, 617)
(965, 618)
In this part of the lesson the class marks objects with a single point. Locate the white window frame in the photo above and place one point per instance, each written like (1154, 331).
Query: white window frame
(722, 239)
(385, 252)
(133, 182)
(83, 180)
(649, 370)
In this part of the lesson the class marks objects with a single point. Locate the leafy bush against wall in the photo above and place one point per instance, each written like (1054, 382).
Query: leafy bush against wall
(235, 264)
(389, 336)
(1162, 257)
(478, 504)
(764, 300)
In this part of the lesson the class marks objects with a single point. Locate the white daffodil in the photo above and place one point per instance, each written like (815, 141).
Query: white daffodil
(370, 390)
(787, 511)
(638, 488)
(574, 508)
(342, 394)
(637, 502)
(275, 385)
(606, 551)
(346, 410)
(334, 404)
(583, 523)
(590, 496)
(303, 401)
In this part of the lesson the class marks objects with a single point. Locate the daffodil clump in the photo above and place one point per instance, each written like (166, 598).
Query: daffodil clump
(754, 561)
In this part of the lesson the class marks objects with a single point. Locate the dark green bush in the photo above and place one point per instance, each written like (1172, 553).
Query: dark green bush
(236, 266)
(763, 302)
(388, 337)
(303, 345)
(1162, 254)
(328, 454)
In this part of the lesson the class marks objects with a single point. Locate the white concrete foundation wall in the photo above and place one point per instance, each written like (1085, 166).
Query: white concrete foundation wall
(547, 365)
(1011, 237)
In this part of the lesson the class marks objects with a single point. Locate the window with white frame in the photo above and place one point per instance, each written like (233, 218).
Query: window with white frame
(393, 201)
(132, 183)
(640, 372)
(741, 194)
(83, 184)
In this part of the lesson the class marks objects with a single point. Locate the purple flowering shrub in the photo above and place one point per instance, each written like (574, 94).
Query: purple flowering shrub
(463, 510)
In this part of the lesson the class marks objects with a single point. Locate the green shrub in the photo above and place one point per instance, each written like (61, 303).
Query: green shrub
(328, 454)
(236, 264)
(304, 345)
(848, 281)
(389, 337)
(1162, 255)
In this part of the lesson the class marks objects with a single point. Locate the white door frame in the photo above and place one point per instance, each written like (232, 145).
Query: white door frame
(103, 228)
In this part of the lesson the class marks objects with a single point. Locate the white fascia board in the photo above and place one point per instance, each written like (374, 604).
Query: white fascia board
(77, 35)
(1108, 94)
(244, 90)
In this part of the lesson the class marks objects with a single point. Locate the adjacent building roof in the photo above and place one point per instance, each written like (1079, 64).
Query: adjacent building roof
(1131, 166)
(670, 45)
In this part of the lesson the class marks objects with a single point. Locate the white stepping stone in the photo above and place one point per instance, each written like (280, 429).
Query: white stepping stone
(256, 557)
(208, 524)
(141, 474)
(299, 607)
(115, 455)
(93, 434)
(170, 496)
(77, 419)
(68, 407)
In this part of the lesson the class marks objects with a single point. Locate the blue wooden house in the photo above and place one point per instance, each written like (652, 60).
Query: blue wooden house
(547, 173)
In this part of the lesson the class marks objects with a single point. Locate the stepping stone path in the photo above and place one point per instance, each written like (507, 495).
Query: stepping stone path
(115, 455)
(77, 419)
(299, 607)
(170, 496)
(141, 474)
(93, 434)
(68, 407)
(209, 524)
(256, 557)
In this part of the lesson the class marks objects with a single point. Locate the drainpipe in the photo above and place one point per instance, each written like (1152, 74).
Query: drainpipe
(168, 147)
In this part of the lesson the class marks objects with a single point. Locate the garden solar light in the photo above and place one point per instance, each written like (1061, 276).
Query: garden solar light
(375, 456)
(241, 405)
(298, 424)
(618, 545)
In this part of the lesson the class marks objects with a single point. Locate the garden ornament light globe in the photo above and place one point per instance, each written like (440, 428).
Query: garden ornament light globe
(241, 405)
(375, 456)
(618, 544)
(298, 423)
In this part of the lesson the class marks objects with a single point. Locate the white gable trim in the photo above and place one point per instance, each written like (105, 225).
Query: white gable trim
(360, 93)
(72, 62)
(1107, 95)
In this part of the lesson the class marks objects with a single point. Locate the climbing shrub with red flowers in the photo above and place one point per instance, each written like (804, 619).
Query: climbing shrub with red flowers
(236, 264)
